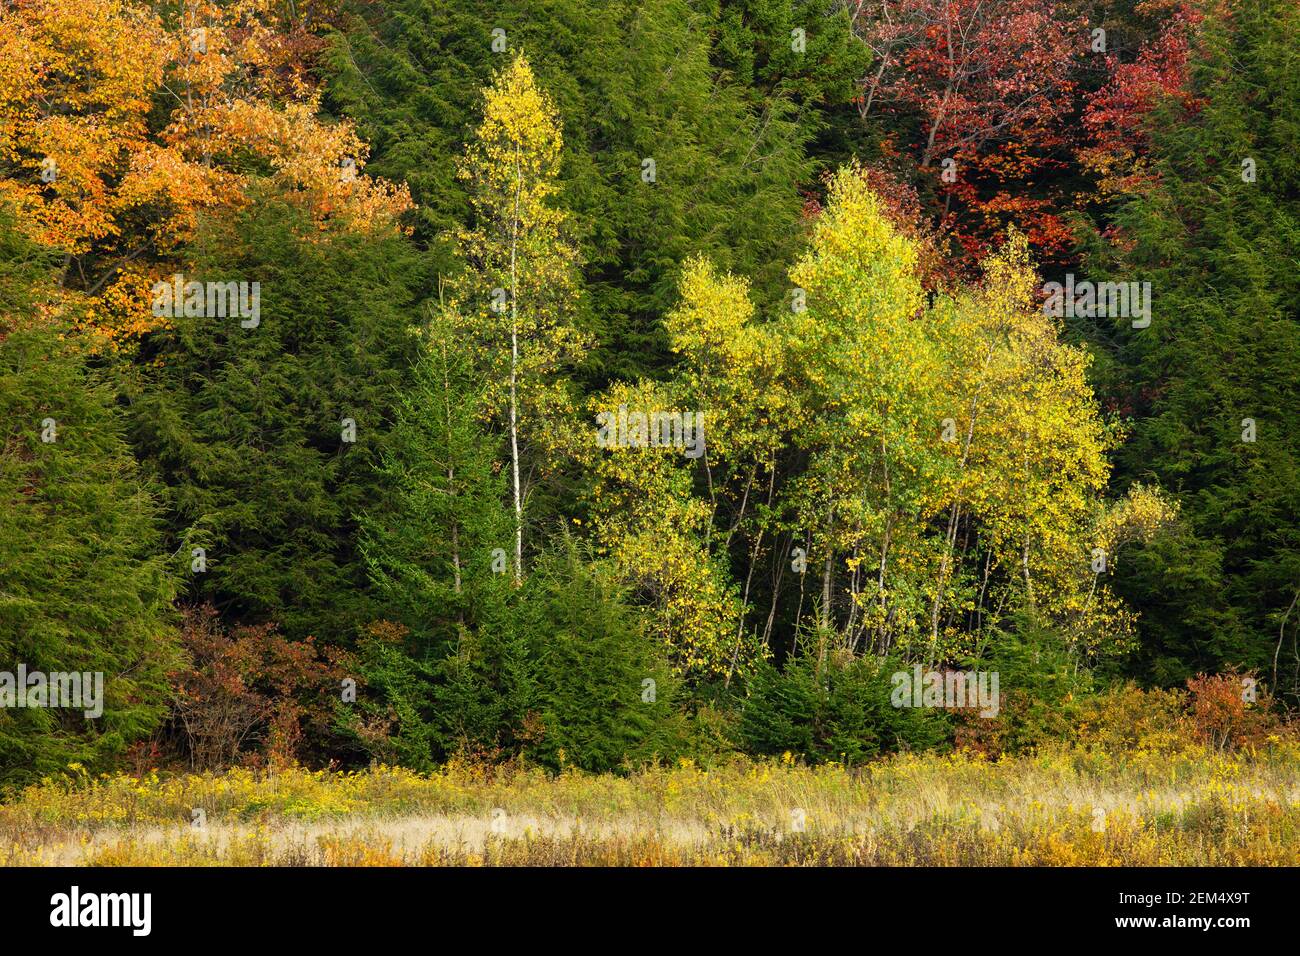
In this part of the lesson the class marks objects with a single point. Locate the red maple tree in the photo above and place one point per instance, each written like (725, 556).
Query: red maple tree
(979, 92)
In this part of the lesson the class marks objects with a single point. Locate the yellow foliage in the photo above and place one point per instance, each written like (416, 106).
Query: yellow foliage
(1065, 808)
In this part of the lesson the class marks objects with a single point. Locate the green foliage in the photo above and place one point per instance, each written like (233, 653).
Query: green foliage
(554, 671)
(1223, 347)
(911, 468)
(604, 691)
(819, 69)
(430, 552)
(477, 700)
(834, 707)
(1039, 680)
(245, 426)
(1188, 623)
(485, 695)
(632, 80)
(26, 271)
(84, 584)
(389, 721)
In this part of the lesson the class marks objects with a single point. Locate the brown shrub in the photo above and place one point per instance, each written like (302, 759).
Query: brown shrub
(1231, 710)
(245, 696)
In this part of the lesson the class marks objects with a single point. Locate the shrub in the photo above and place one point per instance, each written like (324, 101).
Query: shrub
(834, 707)
(249, 695)
(559, 671)
(1231, 710)
(1040, 682)
(391, 723)
(1126, 717)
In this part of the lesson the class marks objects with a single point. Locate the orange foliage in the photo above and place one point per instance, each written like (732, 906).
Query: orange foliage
(1231, 710)
(99, 171)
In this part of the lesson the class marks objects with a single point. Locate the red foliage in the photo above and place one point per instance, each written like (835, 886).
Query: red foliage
(1230, 710)
(1115, 115)
(247, 695)
(988, 84)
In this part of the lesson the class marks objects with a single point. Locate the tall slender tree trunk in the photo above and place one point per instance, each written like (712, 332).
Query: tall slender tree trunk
(1024, 565)
(1281, 635)
(514, 376)
(451, 464)
(826, 592)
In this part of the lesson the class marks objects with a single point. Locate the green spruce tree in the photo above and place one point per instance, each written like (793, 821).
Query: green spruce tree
(268, 436)
(83, 582)
(1213, 382)
(665, 155)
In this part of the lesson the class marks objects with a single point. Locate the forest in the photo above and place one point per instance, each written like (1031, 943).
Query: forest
(416, 390)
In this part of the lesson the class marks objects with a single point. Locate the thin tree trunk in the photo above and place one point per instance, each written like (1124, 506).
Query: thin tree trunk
(803, 582)
(779, 554)
(753, 561)
(1024, 564)
(514, 374)
(984, 586)
(1281, 634)
(451, 470)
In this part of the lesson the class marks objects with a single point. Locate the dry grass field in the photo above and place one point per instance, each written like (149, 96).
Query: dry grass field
(1196, 807)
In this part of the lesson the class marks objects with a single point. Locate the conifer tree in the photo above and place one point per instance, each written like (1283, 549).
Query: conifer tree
(83, 581)
(268, 435)
(431, 554)
(1212, 381)
(666, 155)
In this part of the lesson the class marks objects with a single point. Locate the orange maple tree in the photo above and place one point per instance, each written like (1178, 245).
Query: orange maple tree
(120, 127)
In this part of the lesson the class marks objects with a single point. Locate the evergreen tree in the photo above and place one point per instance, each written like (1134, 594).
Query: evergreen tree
(267, 436)
(434, 554)
(633, 82)
(1213, 381)
(807, 51)
(83, 586)
(557, 671)
(829, 705)
(604, 694)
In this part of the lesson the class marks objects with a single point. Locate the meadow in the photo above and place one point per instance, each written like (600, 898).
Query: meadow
(1064, 807)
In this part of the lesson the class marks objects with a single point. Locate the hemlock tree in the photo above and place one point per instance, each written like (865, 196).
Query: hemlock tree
(1213, 381)
(809, 52)
(633, 81)
(430, 554)
(83, 582)
(267, 437)
(519, 291)
(604, 697)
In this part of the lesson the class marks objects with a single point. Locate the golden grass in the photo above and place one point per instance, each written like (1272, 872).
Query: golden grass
(1062, 808)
